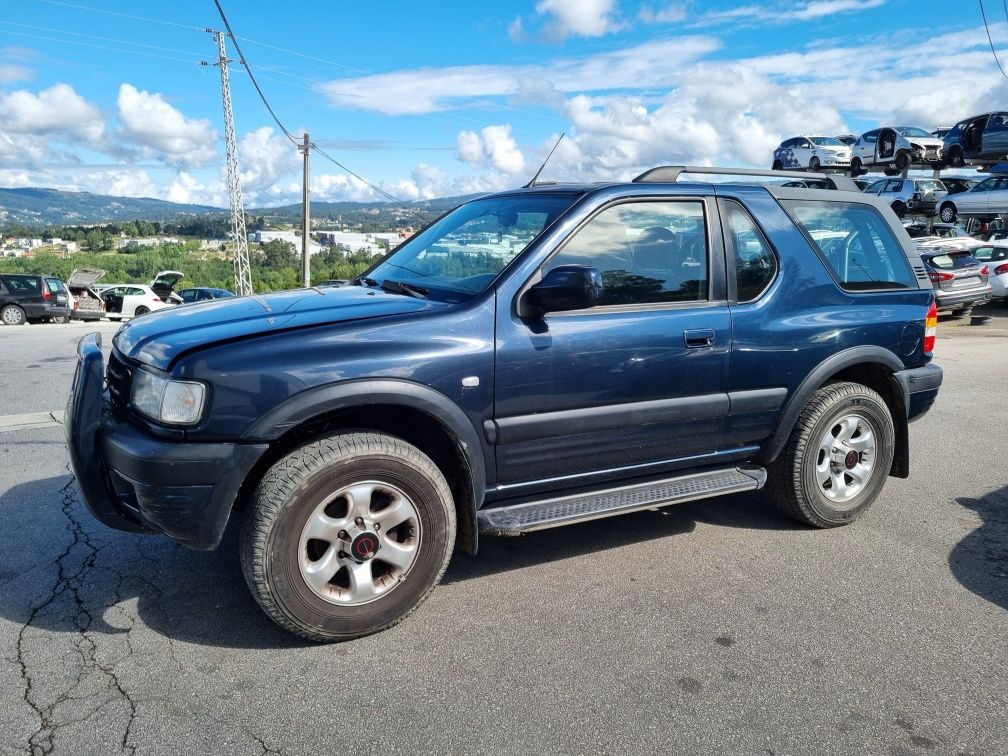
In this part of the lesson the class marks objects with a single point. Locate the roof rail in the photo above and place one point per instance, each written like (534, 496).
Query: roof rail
(669, 174)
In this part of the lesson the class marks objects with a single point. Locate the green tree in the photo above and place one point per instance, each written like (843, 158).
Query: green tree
(278, 254)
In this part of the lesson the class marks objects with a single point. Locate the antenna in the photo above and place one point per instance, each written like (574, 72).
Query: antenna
(532, 183)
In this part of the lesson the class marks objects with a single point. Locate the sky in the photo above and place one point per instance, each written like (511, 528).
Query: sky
(427, 99)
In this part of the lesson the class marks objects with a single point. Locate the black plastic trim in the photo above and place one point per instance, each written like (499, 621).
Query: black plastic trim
(756, 400)
(611, 416)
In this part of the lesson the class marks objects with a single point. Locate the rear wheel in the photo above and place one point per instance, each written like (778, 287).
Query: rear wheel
(778, 165)
(347, 535)
(814, 164)
(947, 213)
(955, 157)
(837, 458)
(141, 310)
(856, 168)
(12, 315)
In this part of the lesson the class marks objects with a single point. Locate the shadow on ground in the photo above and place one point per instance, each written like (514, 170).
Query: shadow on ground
(79, 573)
(980, 560)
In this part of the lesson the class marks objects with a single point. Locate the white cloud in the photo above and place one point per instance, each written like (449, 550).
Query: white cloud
(57, 111)
(787, 13)
(132, 184)
(578, 18)
(160, 130)
(654, 63)
(516, 30)
(670, 14)
(266, 157)
(493, 145)
(11, 73)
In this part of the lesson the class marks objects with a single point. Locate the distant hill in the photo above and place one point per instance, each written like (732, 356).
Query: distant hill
(42, 207)
(51, 207)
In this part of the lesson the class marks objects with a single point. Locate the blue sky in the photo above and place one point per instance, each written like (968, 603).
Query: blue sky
(435, 99)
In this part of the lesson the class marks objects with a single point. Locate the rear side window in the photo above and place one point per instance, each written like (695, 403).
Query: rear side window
(855, 242)
(755, 263)
(55, 285)
(23, 284)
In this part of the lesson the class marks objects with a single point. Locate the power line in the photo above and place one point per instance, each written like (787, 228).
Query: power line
(95, 36)
(97, 47)
(279, 123)
(993, 52)
(123, 15)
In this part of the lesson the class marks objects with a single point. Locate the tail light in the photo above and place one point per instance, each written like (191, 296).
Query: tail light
(76, 304)
(157, 299)
(984, 271)
(46, 294)
(936, 276)
(1000, 270)
(930, 328)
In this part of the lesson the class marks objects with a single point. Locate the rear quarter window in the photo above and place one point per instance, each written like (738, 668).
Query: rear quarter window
(855, 242)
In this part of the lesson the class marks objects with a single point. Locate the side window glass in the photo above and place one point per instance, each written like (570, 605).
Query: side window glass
(855, 242)
(986, 185)
(983, 253)
(647, 252)
(755, 263)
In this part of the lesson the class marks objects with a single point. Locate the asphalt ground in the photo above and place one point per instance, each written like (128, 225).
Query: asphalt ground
(713, 627)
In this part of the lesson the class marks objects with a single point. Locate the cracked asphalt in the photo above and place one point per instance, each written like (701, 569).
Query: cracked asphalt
(712, 627)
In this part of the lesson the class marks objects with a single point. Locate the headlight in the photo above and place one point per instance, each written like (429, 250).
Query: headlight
(167, 401)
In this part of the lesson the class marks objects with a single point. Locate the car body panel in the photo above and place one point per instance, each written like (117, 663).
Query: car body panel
(881, 146)
(40, 297)
(996, 258)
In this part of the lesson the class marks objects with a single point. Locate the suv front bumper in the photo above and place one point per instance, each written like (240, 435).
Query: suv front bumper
(133, 481)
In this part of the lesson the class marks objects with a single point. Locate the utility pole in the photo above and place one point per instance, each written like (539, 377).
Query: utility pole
(305, 149)
(242, 269)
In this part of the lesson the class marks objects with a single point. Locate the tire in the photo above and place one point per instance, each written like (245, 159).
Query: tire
(777, 166)
(12, 314)
(301, 494)
(902, 160)
(813, 164)
(804, 483)
(947, 213)
(141, 310)
(899, 208)
(955, 157)
(856, 168)
(61, 319)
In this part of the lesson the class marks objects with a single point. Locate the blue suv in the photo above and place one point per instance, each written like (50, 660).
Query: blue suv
(538, 357)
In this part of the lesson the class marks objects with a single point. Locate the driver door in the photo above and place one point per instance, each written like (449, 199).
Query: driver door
(635, 384)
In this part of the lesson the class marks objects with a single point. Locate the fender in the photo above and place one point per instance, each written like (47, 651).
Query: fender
(309, 404)
(815, 380)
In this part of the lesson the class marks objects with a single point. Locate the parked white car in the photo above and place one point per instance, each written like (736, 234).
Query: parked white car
(988, 199)
(895, 148)
(130, 301)
(996, 258)
(807, 153)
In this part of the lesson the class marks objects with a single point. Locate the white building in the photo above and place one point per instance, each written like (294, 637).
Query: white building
(263, 237)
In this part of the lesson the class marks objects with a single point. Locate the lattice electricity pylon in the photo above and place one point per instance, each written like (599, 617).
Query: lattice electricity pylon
(242, 270)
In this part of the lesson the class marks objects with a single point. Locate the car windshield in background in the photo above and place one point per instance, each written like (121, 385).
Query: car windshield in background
(460, 254)
(827, 141)
(913, 131)
(952, 260)
(856, 243)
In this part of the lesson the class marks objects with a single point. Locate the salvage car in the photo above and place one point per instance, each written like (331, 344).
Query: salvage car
(811, 153)
(959, 279)
(914, 196)
(130, 301)
(895, 148)
(981, 140)
(610, 348)
(986, 200)
(27, 297)
(87, 301)
(995, 257)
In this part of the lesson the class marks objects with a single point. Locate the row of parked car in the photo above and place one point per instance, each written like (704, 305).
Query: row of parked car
(26, 297)
(977, 140)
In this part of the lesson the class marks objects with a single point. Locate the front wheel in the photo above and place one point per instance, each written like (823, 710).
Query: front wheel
(347, 535)
(856, 167)
(902, 160)
(947, 213)
(12, 315)
(837, 458)
(814, 164)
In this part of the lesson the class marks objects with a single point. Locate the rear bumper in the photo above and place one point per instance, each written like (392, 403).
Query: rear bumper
(133, 481)
(920, 388)
(950, 299)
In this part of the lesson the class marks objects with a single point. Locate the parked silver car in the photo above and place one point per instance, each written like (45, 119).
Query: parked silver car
(895, 148)
(916, 196)
(988, 199)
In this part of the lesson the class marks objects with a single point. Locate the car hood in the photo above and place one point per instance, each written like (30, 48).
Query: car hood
(924, 141)
(161, 337)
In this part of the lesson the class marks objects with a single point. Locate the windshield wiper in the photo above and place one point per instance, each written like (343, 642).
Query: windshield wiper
(364, 281)
(398, 287)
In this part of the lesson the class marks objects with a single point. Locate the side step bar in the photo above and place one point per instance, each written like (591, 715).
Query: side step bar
(565, 510)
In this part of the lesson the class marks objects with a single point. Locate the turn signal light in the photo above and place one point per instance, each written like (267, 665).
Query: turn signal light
(930, 328)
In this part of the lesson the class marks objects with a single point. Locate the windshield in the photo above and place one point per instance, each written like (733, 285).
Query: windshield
(827, 141)
(460, 254)
(913, 131)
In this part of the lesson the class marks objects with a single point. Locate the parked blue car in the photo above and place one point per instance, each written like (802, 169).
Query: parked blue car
(538, 357)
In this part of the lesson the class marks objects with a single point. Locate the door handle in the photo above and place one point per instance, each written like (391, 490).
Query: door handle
(696, 339)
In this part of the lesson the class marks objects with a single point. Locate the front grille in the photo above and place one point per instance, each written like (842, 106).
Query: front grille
(118, 377)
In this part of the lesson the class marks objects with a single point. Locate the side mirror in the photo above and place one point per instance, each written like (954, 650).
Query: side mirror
(566, 287)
